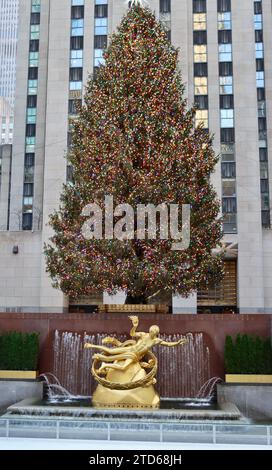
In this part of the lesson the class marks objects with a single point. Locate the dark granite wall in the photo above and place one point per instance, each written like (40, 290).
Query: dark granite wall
(214, 327)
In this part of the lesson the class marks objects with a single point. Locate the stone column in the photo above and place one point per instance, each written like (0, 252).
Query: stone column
(182, 305)
(118, 299)
(250, 258)
(6, 156)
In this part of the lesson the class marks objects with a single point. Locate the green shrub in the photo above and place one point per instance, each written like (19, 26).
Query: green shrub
(248, 354)
(19, 351)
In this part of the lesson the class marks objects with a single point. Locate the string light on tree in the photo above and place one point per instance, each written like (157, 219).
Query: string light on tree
(135, 139)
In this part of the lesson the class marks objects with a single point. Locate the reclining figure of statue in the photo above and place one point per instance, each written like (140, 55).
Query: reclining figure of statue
(132, 350)
(127, 384)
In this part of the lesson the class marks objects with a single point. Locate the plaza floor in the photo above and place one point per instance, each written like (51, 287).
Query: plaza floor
(67, 444)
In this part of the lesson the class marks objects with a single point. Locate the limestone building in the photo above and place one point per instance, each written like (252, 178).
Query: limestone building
(227, 68)
(8, 44)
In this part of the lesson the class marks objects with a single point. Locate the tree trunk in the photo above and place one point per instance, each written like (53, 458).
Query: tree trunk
(135, 300)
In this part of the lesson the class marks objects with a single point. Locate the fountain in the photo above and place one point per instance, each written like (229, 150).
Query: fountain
(183, 369)
(72, 363)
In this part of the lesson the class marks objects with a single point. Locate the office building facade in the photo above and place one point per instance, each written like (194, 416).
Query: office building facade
(8, 46)
(227, 69)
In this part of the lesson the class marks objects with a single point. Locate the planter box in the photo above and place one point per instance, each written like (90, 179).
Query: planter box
(12, 391)
(128, 308)
(253, 400)
(19, 374)
(248, 379)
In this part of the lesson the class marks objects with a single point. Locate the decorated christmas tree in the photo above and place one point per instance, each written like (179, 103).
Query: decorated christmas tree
(135, 140)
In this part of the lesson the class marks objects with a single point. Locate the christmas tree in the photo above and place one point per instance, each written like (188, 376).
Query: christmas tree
(136, 141)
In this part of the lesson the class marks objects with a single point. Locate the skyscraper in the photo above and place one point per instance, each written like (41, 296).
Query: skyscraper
(227, 69)
(8, 44)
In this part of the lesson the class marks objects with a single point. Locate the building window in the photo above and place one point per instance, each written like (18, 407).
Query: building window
(226, 102)
(76, 58)
(201, 118)
(258, 7)
(229, 205)
(34, 45)
(226, 118)
(260, 79)
(77, 12)
(201, 85)
(27, 221)
(33, 59)
(101, 26)
(258, 22)
(165, 6)
(265, 201)
(201, 69)
(223, 5)
(98, 57)
(266, 219)
(73, 106)
(76, 42)
(77, 27)
(259, 50)
(230, 223)
(225, 69)
(199, 6)
(35, 18)
(229, 188)
(76, 86)
(36, 6)
(201, 101)
(32, 87)
(200, 37)
(101, 11)
(225, 52)
(100, 34)
(200, 53)
(225, 84)
(228, 169)
(30, 141)
(263, 154)
(200, 21)
(28, 189)
(29, 159)
(227, 135)
(100, 42)
(224, 36)
(76, 74)
(31, 114)
(35, 32)
(224, 20)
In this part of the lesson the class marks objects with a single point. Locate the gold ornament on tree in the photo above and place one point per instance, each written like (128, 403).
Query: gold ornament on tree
(126, 371)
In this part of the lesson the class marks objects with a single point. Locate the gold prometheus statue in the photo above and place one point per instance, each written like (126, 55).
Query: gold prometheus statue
(126, 372)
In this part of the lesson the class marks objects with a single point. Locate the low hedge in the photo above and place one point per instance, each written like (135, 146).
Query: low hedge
(19, 351)
(248, 354)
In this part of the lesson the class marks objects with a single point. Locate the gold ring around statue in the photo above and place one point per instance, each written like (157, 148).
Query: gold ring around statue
(148, 380)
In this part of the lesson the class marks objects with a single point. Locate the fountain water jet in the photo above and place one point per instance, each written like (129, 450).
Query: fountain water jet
(208, 389)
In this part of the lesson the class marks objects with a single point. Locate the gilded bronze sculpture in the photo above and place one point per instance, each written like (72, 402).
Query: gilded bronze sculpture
(126, 372)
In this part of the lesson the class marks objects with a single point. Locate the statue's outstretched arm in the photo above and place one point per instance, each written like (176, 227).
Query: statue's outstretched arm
(176, 343)
(135, 323)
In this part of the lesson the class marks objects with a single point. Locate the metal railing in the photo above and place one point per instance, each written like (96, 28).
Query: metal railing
(183, 432)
